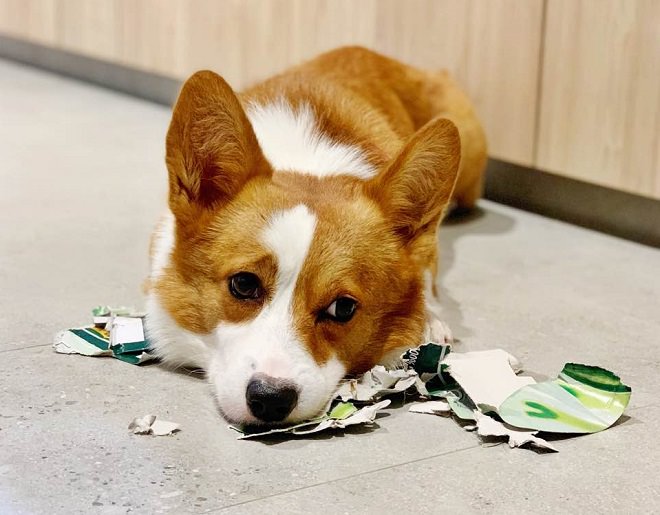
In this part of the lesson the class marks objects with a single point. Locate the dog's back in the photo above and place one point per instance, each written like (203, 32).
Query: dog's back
(365, 98)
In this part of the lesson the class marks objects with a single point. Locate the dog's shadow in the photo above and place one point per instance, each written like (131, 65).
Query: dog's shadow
(479, 221)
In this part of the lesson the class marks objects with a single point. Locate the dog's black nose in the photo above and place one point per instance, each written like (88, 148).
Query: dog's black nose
(269, 398)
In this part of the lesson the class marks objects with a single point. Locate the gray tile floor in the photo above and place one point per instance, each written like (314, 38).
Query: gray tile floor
(82, 183)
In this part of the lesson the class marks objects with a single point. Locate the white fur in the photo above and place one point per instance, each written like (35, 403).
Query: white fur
(269, 344)
(291, 140)
(163, 244)
(436, 330)
(174, 345)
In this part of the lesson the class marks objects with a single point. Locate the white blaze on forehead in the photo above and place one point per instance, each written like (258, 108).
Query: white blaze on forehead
(289, 236)
(291, 140)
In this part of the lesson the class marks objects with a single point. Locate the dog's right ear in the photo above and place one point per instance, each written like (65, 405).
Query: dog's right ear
(212, 151)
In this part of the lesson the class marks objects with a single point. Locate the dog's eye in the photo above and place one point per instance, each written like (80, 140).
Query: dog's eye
(341, 310)
(245, 285)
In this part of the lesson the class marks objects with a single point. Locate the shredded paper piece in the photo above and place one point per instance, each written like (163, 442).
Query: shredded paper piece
(117, 332)
(483, 388)
(430, 407)
(150, 425)
(583, 399)
(376, 383)
(488, 426)
(341, 416)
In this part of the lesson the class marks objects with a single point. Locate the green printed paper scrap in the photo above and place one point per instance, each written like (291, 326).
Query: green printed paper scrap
(583, 399)
(97, 340)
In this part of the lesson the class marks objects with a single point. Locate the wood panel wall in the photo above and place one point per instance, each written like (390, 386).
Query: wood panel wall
(600, 102)
(492, 47)
(568, 86)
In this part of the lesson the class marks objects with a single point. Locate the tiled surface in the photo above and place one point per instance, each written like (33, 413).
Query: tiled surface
(83, 182)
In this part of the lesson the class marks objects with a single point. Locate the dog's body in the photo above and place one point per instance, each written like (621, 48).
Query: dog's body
(301, 242)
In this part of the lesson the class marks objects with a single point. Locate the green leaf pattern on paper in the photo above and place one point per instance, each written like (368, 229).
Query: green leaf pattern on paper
(583, 399)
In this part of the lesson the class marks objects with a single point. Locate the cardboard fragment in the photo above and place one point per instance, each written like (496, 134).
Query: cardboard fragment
(488, 426)
(376, 383)
(149, 425)
(119, 336)
(430, 407)
(486, 376)
(582, 399)
(460, 404)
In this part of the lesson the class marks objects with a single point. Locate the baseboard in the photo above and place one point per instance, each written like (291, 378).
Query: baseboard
(149, 86)
(621, 214)
(614, 212)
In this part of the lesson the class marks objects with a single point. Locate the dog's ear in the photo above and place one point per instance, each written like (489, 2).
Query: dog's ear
(416, 186)
(212, 151)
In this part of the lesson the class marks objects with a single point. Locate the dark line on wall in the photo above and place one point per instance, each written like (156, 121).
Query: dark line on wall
(539, 84)
(138, 83)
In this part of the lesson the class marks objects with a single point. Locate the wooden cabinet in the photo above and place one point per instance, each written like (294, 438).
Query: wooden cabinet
(492, 47)
(599, 118)
(567, 86)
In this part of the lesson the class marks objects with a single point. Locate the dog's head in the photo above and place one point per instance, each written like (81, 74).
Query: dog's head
(294, 281)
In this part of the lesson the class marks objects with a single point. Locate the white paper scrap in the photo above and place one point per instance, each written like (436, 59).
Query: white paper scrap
(126, 330)
(488, 426)
(430, 407)
(150, 425)
(486, 376)
(65, 342)
(365, 415)
(376, 383)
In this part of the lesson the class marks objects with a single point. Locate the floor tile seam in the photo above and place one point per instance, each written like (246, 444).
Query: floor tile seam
(343, 478)
(25, 347)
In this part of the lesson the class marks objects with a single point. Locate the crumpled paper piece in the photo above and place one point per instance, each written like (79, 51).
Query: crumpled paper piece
(340, 417)
(150, 425)
(117, 332)
(431, 407)
(376, 383)
(488, 426)
(583, 399)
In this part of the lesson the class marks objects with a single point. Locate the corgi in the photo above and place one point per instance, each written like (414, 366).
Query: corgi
(300, 244)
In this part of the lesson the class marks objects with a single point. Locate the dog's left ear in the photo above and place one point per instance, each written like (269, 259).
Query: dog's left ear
(212, 151)
(416, 186)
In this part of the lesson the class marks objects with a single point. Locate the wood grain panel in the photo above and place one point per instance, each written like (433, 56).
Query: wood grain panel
(34, 20)
(491, 47)
(600, 105)
(90, 27)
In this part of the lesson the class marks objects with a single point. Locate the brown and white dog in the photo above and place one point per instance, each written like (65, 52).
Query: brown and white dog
(301, 241)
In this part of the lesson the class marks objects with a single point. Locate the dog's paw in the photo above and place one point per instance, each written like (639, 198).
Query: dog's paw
(439, 332)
